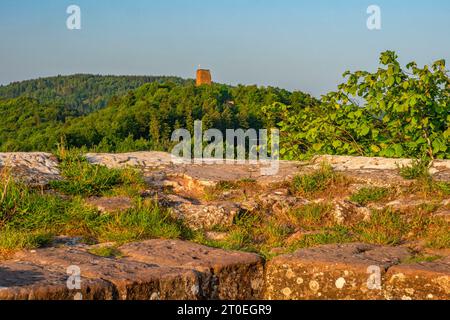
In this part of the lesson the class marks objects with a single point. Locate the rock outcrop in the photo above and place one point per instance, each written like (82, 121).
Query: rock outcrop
(154, 269)
(197, 195)
(33, 168)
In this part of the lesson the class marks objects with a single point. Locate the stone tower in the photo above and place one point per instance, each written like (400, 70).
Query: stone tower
(203, 77)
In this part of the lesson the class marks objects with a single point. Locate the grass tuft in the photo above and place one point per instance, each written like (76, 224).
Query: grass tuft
(84, 179)
(417, 170)
(317, 181)
(106, 251)
(385, 227)
(367, 195)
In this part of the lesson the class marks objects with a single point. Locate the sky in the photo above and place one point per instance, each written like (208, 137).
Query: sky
(294, 44)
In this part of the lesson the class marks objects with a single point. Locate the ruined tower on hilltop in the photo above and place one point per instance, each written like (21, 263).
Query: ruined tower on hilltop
(203, 77)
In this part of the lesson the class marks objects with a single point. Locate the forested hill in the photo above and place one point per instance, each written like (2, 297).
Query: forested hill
(80, 93)
(394, 112)
(140, 119)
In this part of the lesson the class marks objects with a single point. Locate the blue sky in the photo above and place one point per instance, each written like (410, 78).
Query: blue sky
(294, 44)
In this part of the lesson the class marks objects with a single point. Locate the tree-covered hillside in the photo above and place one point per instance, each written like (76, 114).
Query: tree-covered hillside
(141, 119)
(81, 93)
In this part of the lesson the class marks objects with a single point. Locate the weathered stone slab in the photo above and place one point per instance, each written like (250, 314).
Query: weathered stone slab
(226, 274)
(378, 170)
(349, 163)
(33, 168)
(440, 170)
(198, 215)
(193, 176)
(27, 281)
(110, 204)
(331, 272)
(419, 281)
(132, 280)
(132, 159)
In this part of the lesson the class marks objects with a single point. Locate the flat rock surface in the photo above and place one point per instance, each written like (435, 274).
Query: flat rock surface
(132, 280)
(173, 269)
(355, 271)
(227, 274)
(33, 168)
(381, 171)
(419, 281)
(330, 272)
(38, 168)
(154, 269)
(110, 204)
(28, 281)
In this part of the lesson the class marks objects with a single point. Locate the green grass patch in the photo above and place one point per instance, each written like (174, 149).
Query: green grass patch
(84, 179)
(333, 235)
(30, 219)
(312, 215)
(385, 227)
(317, 181)
(147, 220)
(438, 234)
(367, 195)
(15, 239)
(444, 187)
(418, 258)
(106, 251)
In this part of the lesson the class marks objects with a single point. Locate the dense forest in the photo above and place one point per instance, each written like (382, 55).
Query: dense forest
(392, 112)
(139, 119)
(80, 93)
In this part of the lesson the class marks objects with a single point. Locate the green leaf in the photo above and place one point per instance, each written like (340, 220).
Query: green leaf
(364, 130)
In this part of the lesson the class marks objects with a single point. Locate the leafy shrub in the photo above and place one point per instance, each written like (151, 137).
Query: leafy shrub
(391, 113)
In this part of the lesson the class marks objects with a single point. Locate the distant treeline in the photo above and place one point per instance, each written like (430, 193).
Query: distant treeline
(45, 112)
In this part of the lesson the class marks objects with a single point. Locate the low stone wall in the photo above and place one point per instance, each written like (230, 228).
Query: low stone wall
(172, 269)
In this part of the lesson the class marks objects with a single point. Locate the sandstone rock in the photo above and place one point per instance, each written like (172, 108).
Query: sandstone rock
(279, 201)
(419, 281)
(27, 281)
(349, 163)
(216, 236)
(151, 159)
(110, 204)
(443, 213)
(380, 172)
(131, 280)
(330, 272)
(199, 215)
(250, 205)
(346, 212)
(192, 175)
(225, 274)
(440, 170)
(32, 168)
